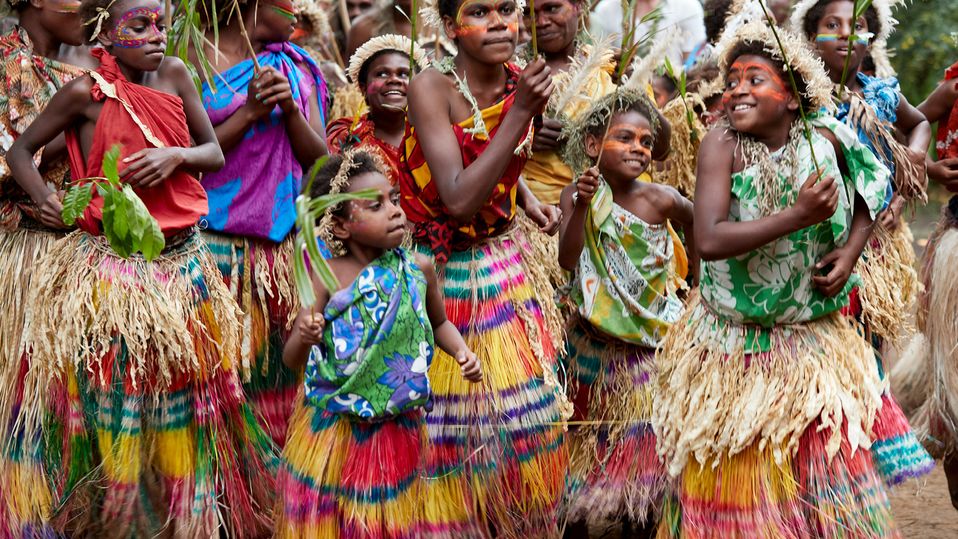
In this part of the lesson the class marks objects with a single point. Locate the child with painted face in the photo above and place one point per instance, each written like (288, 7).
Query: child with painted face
(269, 117)
(469, 122)
(615, 240)
(781, 217)
(829, 24)
(151, 430)
(34, 68)
(875, 108)
(353, 464)
(381, 70)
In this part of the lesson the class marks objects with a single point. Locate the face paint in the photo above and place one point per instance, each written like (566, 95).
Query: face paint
(123, 34)
(285, 9)
(635, 136)
(862, 38)
(64, 6)
(774, 90)
(494, 9)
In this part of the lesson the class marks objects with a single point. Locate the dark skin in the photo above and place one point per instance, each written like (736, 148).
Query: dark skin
(385, 86)
(367, 230)
(73, 108)
(910, 122)
(752, 107)
(626, 153)
(485, 33)
(269, 88)
(936, 109)
(355, 8)
(365, 25)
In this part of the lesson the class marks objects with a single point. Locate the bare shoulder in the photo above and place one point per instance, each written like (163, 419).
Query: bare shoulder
(425, 265)
(430, 79)
(661, 196)
(174, 69)
(719, 138)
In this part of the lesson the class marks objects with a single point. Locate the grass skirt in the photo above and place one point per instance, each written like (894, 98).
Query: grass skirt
(145, 428)
(497, 458)
(25, 495)
(927, 372)
(259, 276)
(343, 477)
(615, 471)
(770, 443)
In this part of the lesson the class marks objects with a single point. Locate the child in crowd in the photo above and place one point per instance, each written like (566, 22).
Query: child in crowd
(877, 111)
(34, 68)
(381, 70)
(781, 217)
(469, 128)
(353, 463)
(132, 362)
(614, 238)
(270, 122)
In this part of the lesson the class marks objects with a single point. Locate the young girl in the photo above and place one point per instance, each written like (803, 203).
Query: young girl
(140, 354)
(353, 461)
(270, 122)
(380, 68)
(766, 393)
(461, 191)
(614, 238)
(34, 69)
(877, 111)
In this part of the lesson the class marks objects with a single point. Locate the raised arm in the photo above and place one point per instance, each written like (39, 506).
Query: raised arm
(67, 107)
(940, 102)
(718, 238)
(464, 190)
(572, 229)
(913, 125)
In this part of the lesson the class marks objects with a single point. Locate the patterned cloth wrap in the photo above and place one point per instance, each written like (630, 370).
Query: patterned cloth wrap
(254, 194)
(884, 97)
(29, 82)
(346, 133)
(353, 462)
(761, 333)
(431, 224)
(623, 285)
(377, 344)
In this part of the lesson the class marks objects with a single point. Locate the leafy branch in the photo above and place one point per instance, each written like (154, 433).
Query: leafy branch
(127, 223)
(308, 260)
(681, 83)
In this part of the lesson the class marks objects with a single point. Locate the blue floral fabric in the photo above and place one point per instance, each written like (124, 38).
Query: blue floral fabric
(377, 344)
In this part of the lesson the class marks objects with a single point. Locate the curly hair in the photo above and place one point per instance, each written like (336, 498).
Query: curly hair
(814, 16)
(716, 14)
(362, 162)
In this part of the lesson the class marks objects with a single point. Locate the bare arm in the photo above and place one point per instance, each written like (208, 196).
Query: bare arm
(662, 145)
(67, 107)
(842, 260)
(205, 155)
(307, 331)
(572, 230)
(914, 126)
(447, 336)
(307, 137)
(937, 106)
(718, 238)
(464, 190)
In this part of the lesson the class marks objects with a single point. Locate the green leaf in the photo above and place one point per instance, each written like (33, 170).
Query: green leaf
(110, 159)
(152, 242)
(75, 202)
(114, 210)
(138, 217)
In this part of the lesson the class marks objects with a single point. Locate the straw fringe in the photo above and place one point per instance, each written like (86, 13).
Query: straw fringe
(714, 394)
(911, 180)
(678, 170)
(890, 285)
(80, 328)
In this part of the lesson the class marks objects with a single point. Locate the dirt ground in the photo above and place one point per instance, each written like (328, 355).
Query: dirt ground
(923, 511)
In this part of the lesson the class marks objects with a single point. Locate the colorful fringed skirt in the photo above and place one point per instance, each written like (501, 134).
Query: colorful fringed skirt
(25, 494)
(767, 429)
(347, 478)
(497, 460)
(260, 279)
(145, 428)
(882, 307)
(615, 472)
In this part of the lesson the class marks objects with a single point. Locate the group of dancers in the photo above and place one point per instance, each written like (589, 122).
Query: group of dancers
(567, 297)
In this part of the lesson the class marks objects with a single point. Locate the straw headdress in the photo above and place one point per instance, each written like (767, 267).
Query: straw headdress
(388, 42)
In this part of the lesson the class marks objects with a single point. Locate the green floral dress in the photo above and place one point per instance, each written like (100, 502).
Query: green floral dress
(772, 285)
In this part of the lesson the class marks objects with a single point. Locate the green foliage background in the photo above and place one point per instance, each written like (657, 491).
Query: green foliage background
(925, 43)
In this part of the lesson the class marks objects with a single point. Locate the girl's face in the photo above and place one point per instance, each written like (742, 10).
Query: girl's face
(275, 21)
(136, 34)
(626, 150)
(756, 95)
(378, 223)
(62, 19)
(386, 81)
(485, 29)
(831, 38)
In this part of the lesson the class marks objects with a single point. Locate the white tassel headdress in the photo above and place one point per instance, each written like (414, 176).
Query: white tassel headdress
(879, 46)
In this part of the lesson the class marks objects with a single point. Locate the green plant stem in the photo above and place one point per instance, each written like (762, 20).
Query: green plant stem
(806, 127)
(856, 12)
(413, 34)
(249, 44)
(532, 16)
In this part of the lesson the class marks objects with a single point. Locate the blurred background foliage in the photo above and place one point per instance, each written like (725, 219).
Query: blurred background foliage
(925, 43)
